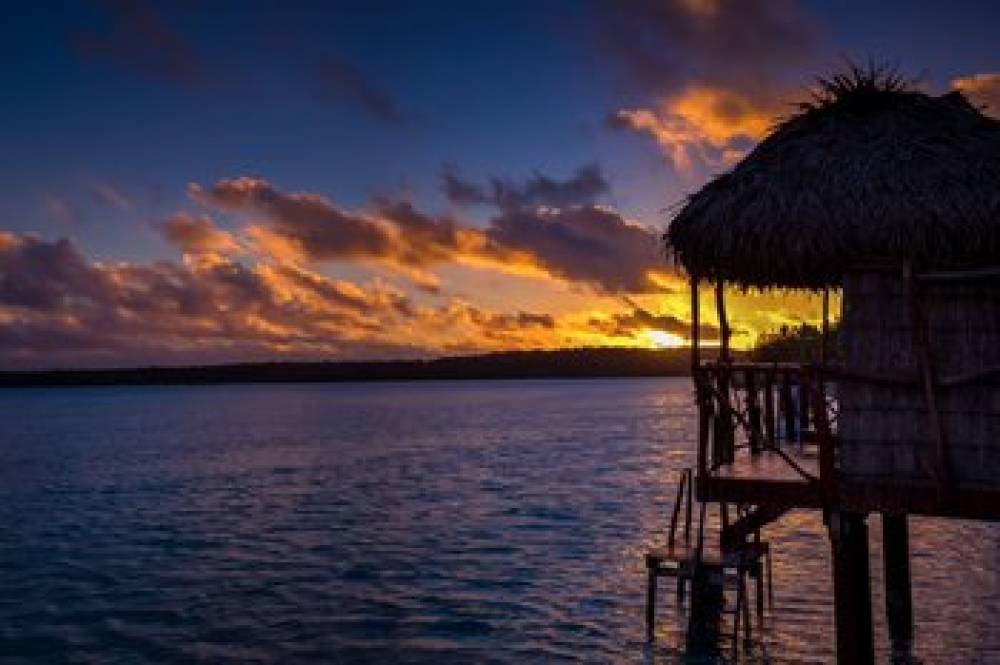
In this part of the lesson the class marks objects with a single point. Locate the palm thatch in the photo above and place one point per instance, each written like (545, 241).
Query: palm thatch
(869, 170)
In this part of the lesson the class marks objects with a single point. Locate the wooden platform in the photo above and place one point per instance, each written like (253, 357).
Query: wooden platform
(764, 479)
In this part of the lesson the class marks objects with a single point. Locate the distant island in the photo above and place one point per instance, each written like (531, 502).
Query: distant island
(563, 363)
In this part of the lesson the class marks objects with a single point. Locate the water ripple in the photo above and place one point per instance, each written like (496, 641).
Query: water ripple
(435, 523)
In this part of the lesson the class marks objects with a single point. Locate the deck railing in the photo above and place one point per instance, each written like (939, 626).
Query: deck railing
(746, 408)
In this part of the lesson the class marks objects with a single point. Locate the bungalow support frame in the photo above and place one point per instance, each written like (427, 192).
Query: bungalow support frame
(848, 531)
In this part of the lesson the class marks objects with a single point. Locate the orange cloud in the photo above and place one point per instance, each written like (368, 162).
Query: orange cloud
(713, 73)
(577, 240)
(982, 89)
(197, 234)
(702, 126)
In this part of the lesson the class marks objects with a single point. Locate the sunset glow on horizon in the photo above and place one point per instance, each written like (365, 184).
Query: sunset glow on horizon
(665, 340)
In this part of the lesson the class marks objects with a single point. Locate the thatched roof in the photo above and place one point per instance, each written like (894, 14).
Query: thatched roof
(870, 170)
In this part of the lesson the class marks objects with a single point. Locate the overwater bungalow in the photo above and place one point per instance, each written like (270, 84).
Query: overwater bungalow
(891, 197)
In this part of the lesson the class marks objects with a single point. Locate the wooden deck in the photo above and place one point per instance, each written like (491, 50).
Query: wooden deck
(765, 479)
(746, 411)
(769, 466)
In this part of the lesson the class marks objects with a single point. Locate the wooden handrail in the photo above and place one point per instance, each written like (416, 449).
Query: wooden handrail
(748, 364)
(678, 500)
(843, 374)
(812, 379)
(767, 444)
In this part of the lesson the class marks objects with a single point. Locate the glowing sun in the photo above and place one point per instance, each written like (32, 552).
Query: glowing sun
(664, 340)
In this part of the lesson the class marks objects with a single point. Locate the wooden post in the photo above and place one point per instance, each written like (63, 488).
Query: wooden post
(851, 588)
(704, 415)
(695, 328)
(824, 437)
(826, 327)
(769, 423)
(704, 432)
(687, 512)
(724, 426)
(898, 597)
(759, 570)
(804, 401)
(787, 405)
(753, 409)
(679, 499)
(724, 332)
(700, 545)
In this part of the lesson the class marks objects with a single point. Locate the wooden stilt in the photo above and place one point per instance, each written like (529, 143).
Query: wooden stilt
(898, 598)
(852, 588)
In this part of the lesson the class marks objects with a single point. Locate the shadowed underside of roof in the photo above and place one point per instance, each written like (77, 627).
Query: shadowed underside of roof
(870, 170)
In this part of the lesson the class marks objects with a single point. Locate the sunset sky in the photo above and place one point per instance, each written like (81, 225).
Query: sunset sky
(191, 182)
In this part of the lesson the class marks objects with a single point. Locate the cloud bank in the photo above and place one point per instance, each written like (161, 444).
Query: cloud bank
(542, 227)
(58, 309)
(253, 280)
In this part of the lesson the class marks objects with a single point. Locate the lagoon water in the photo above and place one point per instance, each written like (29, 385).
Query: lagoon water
(451, 522)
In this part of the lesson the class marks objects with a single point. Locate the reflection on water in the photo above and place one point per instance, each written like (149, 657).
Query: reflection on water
(438, 522)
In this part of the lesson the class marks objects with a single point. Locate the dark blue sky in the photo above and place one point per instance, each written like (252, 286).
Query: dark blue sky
(491, 91)
(492, 87)
(114, 108)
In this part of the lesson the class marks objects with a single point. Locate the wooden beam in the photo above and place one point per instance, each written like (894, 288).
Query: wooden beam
(850, 496)
(724, 433)
(942, 465)
(959, 275)
(724, 332)
(695, 327)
